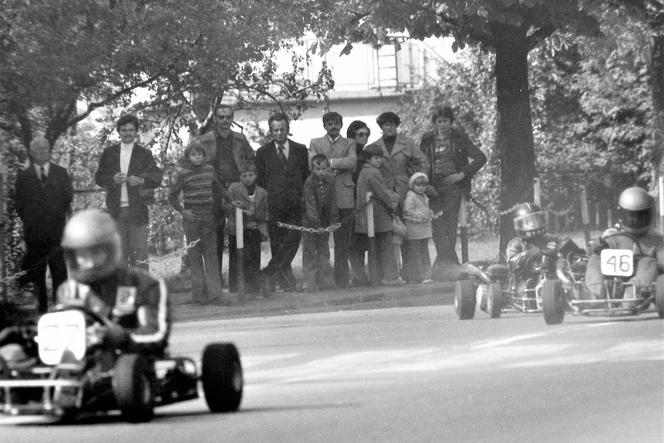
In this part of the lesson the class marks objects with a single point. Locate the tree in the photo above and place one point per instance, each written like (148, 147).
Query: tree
(509, 28)
(60, 60)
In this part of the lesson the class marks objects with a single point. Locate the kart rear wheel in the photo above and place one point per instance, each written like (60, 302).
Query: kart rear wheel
(222, 377)
(494, 300)
(553, 303)
(133, 383)
(464, 299)
(659, 296)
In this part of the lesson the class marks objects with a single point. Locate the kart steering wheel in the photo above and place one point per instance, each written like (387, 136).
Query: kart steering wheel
(89, 314)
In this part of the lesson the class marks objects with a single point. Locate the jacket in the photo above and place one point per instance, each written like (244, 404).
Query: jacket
(343, 160)
(463, 148)
(142, 165)
(132, 299)
(242, 151)
(43, 208)
(320, 205)
(255, 214)
(283, 182)
(384, 200)
(405, 160)
(417, 216)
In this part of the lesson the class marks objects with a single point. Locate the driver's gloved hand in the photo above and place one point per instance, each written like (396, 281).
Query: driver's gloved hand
(115, 336)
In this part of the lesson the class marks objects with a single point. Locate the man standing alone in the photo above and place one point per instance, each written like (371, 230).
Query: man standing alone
(226, 151)
(129, 174)
(43, 199)
(282, 166)
(342, 156)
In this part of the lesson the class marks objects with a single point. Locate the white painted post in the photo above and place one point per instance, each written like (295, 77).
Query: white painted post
(660, 183)
(371, 234)
(239, 246)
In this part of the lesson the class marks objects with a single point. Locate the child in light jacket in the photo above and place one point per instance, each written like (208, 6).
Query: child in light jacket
(417, 216)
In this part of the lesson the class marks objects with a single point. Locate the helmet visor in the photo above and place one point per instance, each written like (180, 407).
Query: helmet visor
(529, 222)
(92, 263)
(636, 221)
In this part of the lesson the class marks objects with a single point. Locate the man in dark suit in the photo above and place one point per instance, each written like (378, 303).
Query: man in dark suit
(129, 174)
(282, 166)
(43, 196)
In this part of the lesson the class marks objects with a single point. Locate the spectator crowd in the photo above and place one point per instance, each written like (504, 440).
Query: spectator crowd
(393, 193)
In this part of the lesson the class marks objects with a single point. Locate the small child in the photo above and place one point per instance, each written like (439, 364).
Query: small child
(320, 211)
(417, 216)
(197, 182)
(252, 199)
(385, 202)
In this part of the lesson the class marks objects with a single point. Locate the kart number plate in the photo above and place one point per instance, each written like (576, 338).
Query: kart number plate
(617, 262)
(58, 332)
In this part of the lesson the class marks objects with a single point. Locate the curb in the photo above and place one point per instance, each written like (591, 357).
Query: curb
(285, 303)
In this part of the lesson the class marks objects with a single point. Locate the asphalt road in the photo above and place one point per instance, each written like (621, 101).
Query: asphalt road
(414, 374)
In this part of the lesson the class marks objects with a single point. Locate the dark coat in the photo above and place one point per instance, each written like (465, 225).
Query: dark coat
(320, 201)
(142, 165)
(43, 208)
(283, 182)
(463, 148)
(384, 200)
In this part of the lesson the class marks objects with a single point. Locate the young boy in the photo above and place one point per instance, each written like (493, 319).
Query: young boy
(320, 211)
(385, 202)
(198, 183)
(417, 215)
(252, 199)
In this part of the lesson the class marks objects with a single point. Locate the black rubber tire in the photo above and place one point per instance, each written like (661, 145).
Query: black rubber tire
(464, 299)
(222, 378)
(133, 387)
(553, 303)
(659, 295)
(494, 300)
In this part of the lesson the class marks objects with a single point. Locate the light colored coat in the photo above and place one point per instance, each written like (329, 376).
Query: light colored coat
(343, 159)
(406, 159)
(417, 216)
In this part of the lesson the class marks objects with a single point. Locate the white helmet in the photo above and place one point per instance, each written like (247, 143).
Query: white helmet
(635, 206)
(92, 246)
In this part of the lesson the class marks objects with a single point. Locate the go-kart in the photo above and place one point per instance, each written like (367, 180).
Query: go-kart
(78, 372)
(618, 295)
(497, 289)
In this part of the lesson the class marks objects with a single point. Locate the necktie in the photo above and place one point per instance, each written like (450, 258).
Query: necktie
(282, 155)
(43, 175)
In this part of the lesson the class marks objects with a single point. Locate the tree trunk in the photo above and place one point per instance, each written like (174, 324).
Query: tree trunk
(657, 89)
(514, 129)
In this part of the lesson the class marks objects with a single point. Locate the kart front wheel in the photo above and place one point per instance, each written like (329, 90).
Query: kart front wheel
(222, 378)
(133, 382)
(553, 303)
(464, 299)
(659, 296)
(494, 302)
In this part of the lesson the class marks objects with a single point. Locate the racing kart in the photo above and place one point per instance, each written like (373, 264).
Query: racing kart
(618, 295)
(76, 372)
(497, 289)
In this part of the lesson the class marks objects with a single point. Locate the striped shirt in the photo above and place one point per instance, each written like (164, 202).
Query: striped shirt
(196, 184)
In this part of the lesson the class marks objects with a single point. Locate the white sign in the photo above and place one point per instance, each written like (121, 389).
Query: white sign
(58, 332)
(617, 262)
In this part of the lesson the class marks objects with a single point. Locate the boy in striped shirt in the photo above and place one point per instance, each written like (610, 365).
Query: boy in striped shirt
(197, 182)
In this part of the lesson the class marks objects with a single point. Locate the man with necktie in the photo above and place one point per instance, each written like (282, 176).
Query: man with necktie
(42, 200)
(282, 166)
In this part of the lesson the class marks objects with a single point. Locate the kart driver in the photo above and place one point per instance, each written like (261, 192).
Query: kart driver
(526, 250)
(633, 231)
(136, 303)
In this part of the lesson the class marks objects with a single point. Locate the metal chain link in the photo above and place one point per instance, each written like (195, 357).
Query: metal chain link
(173, 254)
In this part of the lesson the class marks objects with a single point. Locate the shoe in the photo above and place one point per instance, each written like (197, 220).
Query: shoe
(427, 281)
(360, 282)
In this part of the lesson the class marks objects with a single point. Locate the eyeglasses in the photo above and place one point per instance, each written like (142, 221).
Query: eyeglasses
(361, 134)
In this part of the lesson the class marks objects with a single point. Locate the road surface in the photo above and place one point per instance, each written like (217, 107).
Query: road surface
(413, 374)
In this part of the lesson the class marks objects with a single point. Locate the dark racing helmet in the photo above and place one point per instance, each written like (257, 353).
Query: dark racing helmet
(92, 246)
(635, 208)
(529, 220)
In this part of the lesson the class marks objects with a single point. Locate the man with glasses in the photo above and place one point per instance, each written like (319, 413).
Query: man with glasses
(226, 150)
